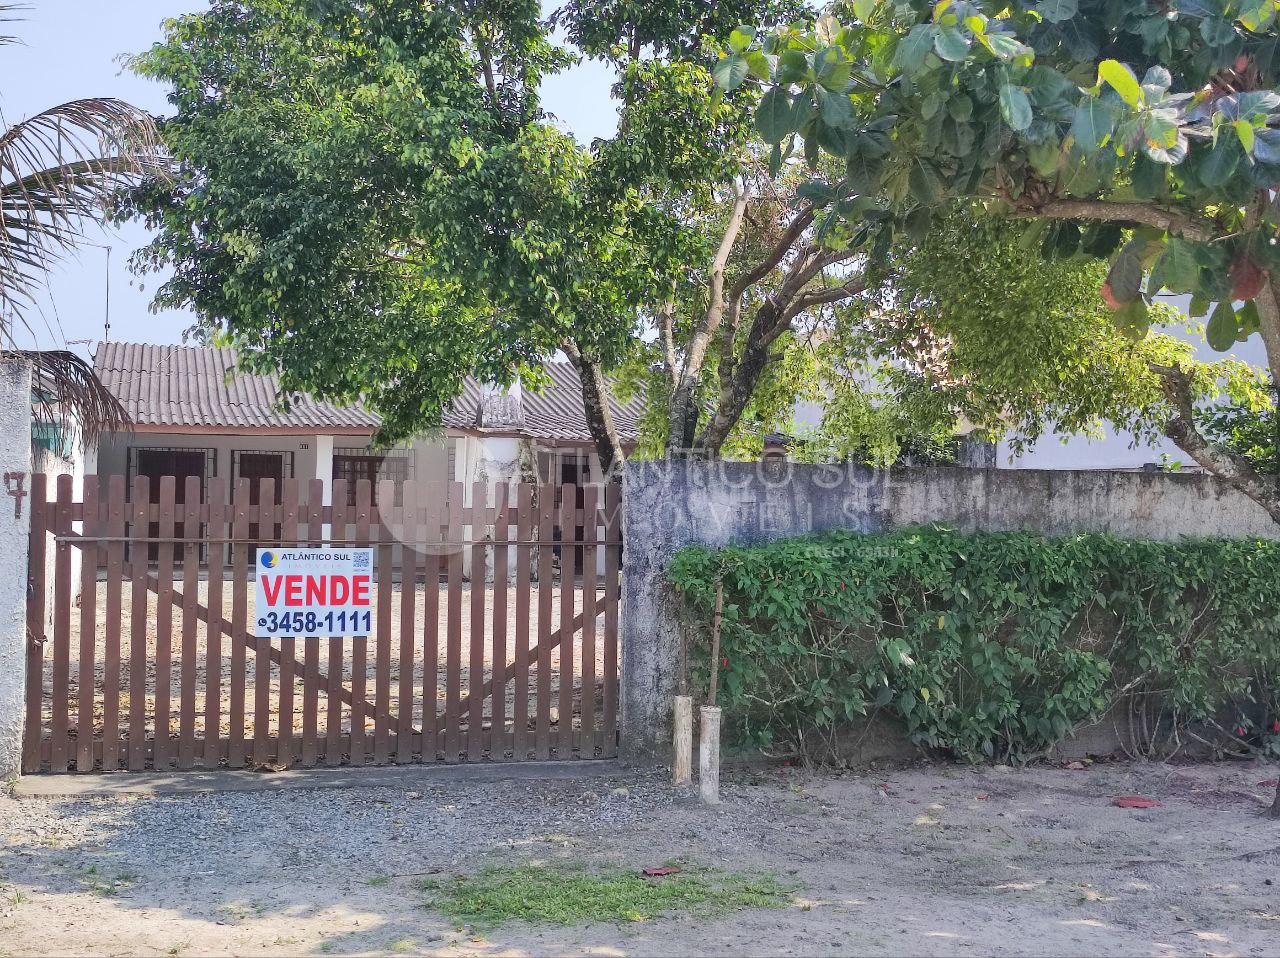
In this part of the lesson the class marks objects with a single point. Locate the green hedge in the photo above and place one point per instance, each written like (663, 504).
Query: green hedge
(994, 645)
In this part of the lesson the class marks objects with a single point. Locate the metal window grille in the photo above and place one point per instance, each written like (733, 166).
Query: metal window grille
(286, 459)
(354, 464)
(133, 452)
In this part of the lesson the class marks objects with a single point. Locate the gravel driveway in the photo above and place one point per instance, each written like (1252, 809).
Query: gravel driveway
(935, 860)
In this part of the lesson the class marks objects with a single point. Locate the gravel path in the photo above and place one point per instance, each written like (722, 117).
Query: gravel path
(935, 860)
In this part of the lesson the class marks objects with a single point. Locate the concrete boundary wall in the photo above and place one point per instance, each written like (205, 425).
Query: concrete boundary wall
(671, 504)
(15, 519)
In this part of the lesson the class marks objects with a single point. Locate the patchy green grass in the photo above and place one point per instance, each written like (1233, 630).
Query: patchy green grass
(560, 895)
(107, 885)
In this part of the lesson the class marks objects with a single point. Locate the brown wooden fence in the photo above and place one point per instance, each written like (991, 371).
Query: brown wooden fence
(496, 627)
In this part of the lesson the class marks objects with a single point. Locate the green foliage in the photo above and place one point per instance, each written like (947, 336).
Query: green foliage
(561, 895)
(371, 199)
(1248, 431)
(989, 646)
(611, 29)
(972, 323)
(1171, 107)
(865, 423)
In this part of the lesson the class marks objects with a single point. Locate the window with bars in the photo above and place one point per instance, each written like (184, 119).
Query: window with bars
(176, 461)
(356, 464)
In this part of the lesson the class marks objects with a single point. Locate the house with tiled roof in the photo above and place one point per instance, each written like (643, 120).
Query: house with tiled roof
(192, 413)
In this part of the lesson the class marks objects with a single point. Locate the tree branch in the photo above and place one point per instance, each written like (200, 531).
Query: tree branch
(802, 221)
(733, 308)
(825, 296)
(683, 412)
(1174, 221)
(1269, 326)
(721, 259)
(666, 325)
(770, 320)
(1181, 428)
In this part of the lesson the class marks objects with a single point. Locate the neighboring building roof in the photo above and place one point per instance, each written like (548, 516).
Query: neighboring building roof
(556, 414)
(187, 387)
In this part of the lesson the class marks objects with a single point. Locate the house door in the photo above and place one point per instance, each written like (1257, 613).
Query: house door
(179, 463)
(574, 469)
(257, 466)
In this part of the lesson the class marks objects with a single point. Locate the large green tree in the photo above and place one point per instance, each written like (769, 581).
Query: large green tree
(1147, 134)
(373, 200)
(1139, 133)
(973, 325)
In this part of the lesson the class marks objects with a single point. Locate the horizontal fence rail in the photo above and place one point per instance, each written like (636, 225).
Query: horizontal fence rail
(495, 633)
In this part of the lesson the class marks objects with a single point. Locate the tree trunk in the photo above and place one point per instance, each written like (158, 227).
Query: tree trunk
(1269, 328)
(736, 391)
(682, 419)
(1234, 470)
(1275, 809)
(599, 414)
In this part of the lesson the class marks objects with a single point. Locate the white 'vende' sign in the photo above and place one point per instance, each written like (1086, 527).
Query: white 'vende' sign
(314, 592)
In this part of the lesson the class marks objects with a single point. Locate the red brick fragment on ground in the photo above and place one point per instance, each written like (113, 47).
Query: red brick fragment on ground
(1134, 801)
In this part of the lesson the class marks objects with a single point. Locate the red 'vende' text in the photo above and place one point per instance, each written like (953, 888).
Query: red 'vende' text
(317, 589)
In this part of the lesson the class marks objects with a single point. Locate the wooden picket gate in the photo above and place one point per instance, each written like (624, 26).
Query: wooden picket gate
(495, 634)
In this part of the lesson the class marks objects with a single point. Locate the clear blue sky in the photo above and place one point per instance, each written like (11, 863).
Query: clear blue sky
(73, 48)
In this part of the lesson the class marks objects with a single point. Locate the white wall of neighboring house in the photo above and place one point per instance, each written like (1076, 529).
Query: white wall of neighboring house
(1117, 448)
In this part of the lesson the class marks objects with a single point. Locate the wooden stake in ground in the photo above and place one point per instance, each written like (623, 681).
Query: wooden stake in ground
(709, 755)
(682, 721)
(715, 642)
(709, 730)
(682, 762)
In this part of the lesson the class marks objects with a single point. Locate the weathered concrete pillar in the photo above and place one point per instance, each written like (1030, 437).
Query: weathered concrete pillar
(15, 513)
(324, 465)
(496, 462)
(653, 530)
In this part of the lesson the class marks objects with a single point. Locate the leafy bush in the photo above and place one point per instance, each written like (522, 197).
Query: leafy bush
(994, 645)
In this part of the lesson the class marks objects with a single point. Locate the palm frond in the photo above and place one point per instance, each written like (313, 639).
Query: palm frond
(5, 10)
(58, 171)
(67, 393)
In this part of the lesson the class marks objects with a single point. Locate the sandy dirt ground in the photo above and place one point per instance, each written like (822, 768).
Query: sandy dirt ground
(196, 645)
(936, 860)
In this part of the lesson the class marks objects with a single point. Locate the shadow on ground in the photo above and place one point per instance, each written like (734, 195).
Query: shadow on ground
(934, 860)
